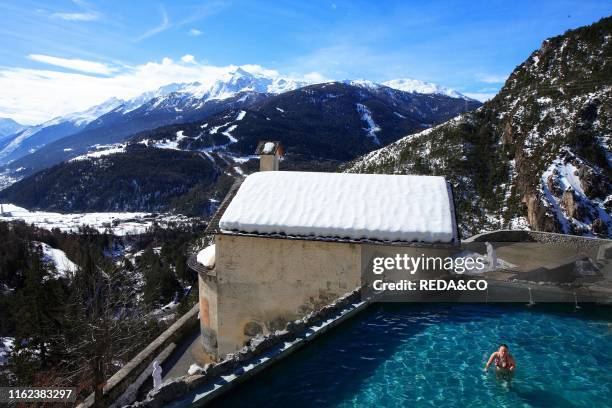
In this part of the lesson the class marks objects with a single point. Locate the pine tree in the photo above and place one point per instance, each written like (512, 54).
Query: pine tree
(37, 314)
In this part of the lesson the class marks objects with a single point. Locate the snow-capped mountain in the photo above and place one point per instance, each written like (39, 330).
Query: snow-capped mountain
(416, 86)
(33, 138)
(8, 127)
(182, 166)
(241, 80)
(114, 120)
(413, 86)
(227, 86)
(178, 98)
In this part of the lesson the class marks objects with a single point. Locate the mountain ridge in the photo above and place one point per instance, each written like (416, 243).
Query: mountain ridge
(320, 126)
(182, 97)
(535, 156)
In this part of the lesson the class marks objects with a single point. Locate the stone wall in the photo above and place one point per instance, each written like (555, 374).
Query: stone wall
(263, 283)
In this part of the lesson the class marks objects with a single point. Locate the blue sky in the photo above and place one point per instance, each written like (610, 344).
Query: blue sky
(85, 46)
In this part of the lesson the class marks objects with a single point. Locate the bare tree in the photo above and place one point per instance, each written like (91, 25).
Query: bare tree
(104, 325)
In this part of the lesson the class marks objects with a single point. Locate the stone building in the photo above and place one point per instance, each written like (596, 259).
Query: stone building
(286, 243)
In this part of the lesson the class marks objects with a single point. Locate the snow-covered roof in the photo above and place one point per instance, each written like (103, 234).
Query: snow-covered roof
(207, 256)
(269, 147)
(345, 206)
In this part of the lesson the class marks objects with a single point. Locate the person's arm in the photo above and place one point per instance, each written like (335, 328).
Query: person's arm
(490, 361)
(512, 363)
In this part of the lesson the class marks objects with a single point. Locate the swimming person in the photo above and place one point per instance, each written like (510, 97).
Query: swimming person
(504, 362)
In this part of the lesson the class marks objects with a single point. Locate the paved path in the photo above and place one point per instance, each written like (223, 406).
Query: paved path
(189, 351)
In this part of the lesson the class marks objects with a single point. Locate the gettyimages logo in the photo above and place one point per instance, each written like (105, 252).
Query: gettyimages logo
(390, 268)
(412, 264)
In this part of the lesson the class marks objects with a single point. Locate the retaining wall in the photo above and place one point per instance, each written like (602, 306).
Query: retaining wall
(118, 384)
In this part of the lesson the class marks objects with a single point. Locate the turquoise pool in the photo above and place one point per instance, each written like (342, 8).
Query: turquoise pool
(396, 355)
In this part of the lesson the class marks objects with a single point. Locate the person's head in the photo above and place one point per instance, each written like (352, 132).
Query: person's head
(503, 349)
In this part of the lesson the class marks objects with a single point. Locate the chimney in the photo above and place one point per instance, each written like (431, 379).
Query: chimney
(269, 155)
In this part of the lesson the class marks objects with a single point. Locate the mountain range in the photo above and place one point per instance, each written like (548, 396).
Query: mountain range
(36, 147)
(536, 156)
(321, 126)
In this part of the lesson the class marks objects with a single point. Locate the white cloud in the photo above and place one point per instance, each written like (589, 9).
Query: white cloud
(164, 25)
(34, 95)
(87, 16)
(492, 79)
(479, 96)
(87, 13)
(315, 78)
(194, 32)
(188, 58)
(75, 64)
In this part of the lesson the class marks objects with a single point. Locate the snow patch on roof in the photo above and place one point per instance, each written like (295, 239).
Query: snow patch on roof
(207, 256)
(268, 148)
(336, 205)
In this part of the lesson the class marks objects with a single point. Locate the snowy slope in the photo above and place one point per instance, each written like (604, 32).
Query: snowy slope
(64, 267)
(35, 137)
(195, 94)
(537, 155)
(9, 127)
(114, 120)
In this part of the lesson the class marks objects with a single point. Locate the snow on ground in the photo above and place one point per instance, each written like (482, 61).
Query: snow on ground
(241, 115)
(372, 128)
(119, 223)
(64, 267)
(207, 256)
(244, 159)
(519, 223)
(228, 133)
(6, 179)
(215, 129)
(354, 206)
(194, 369)
(168, 144)
(280, 110)
(208, 156)
(6, 345)
(102, 150)
(566, 176)
(392, 151)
